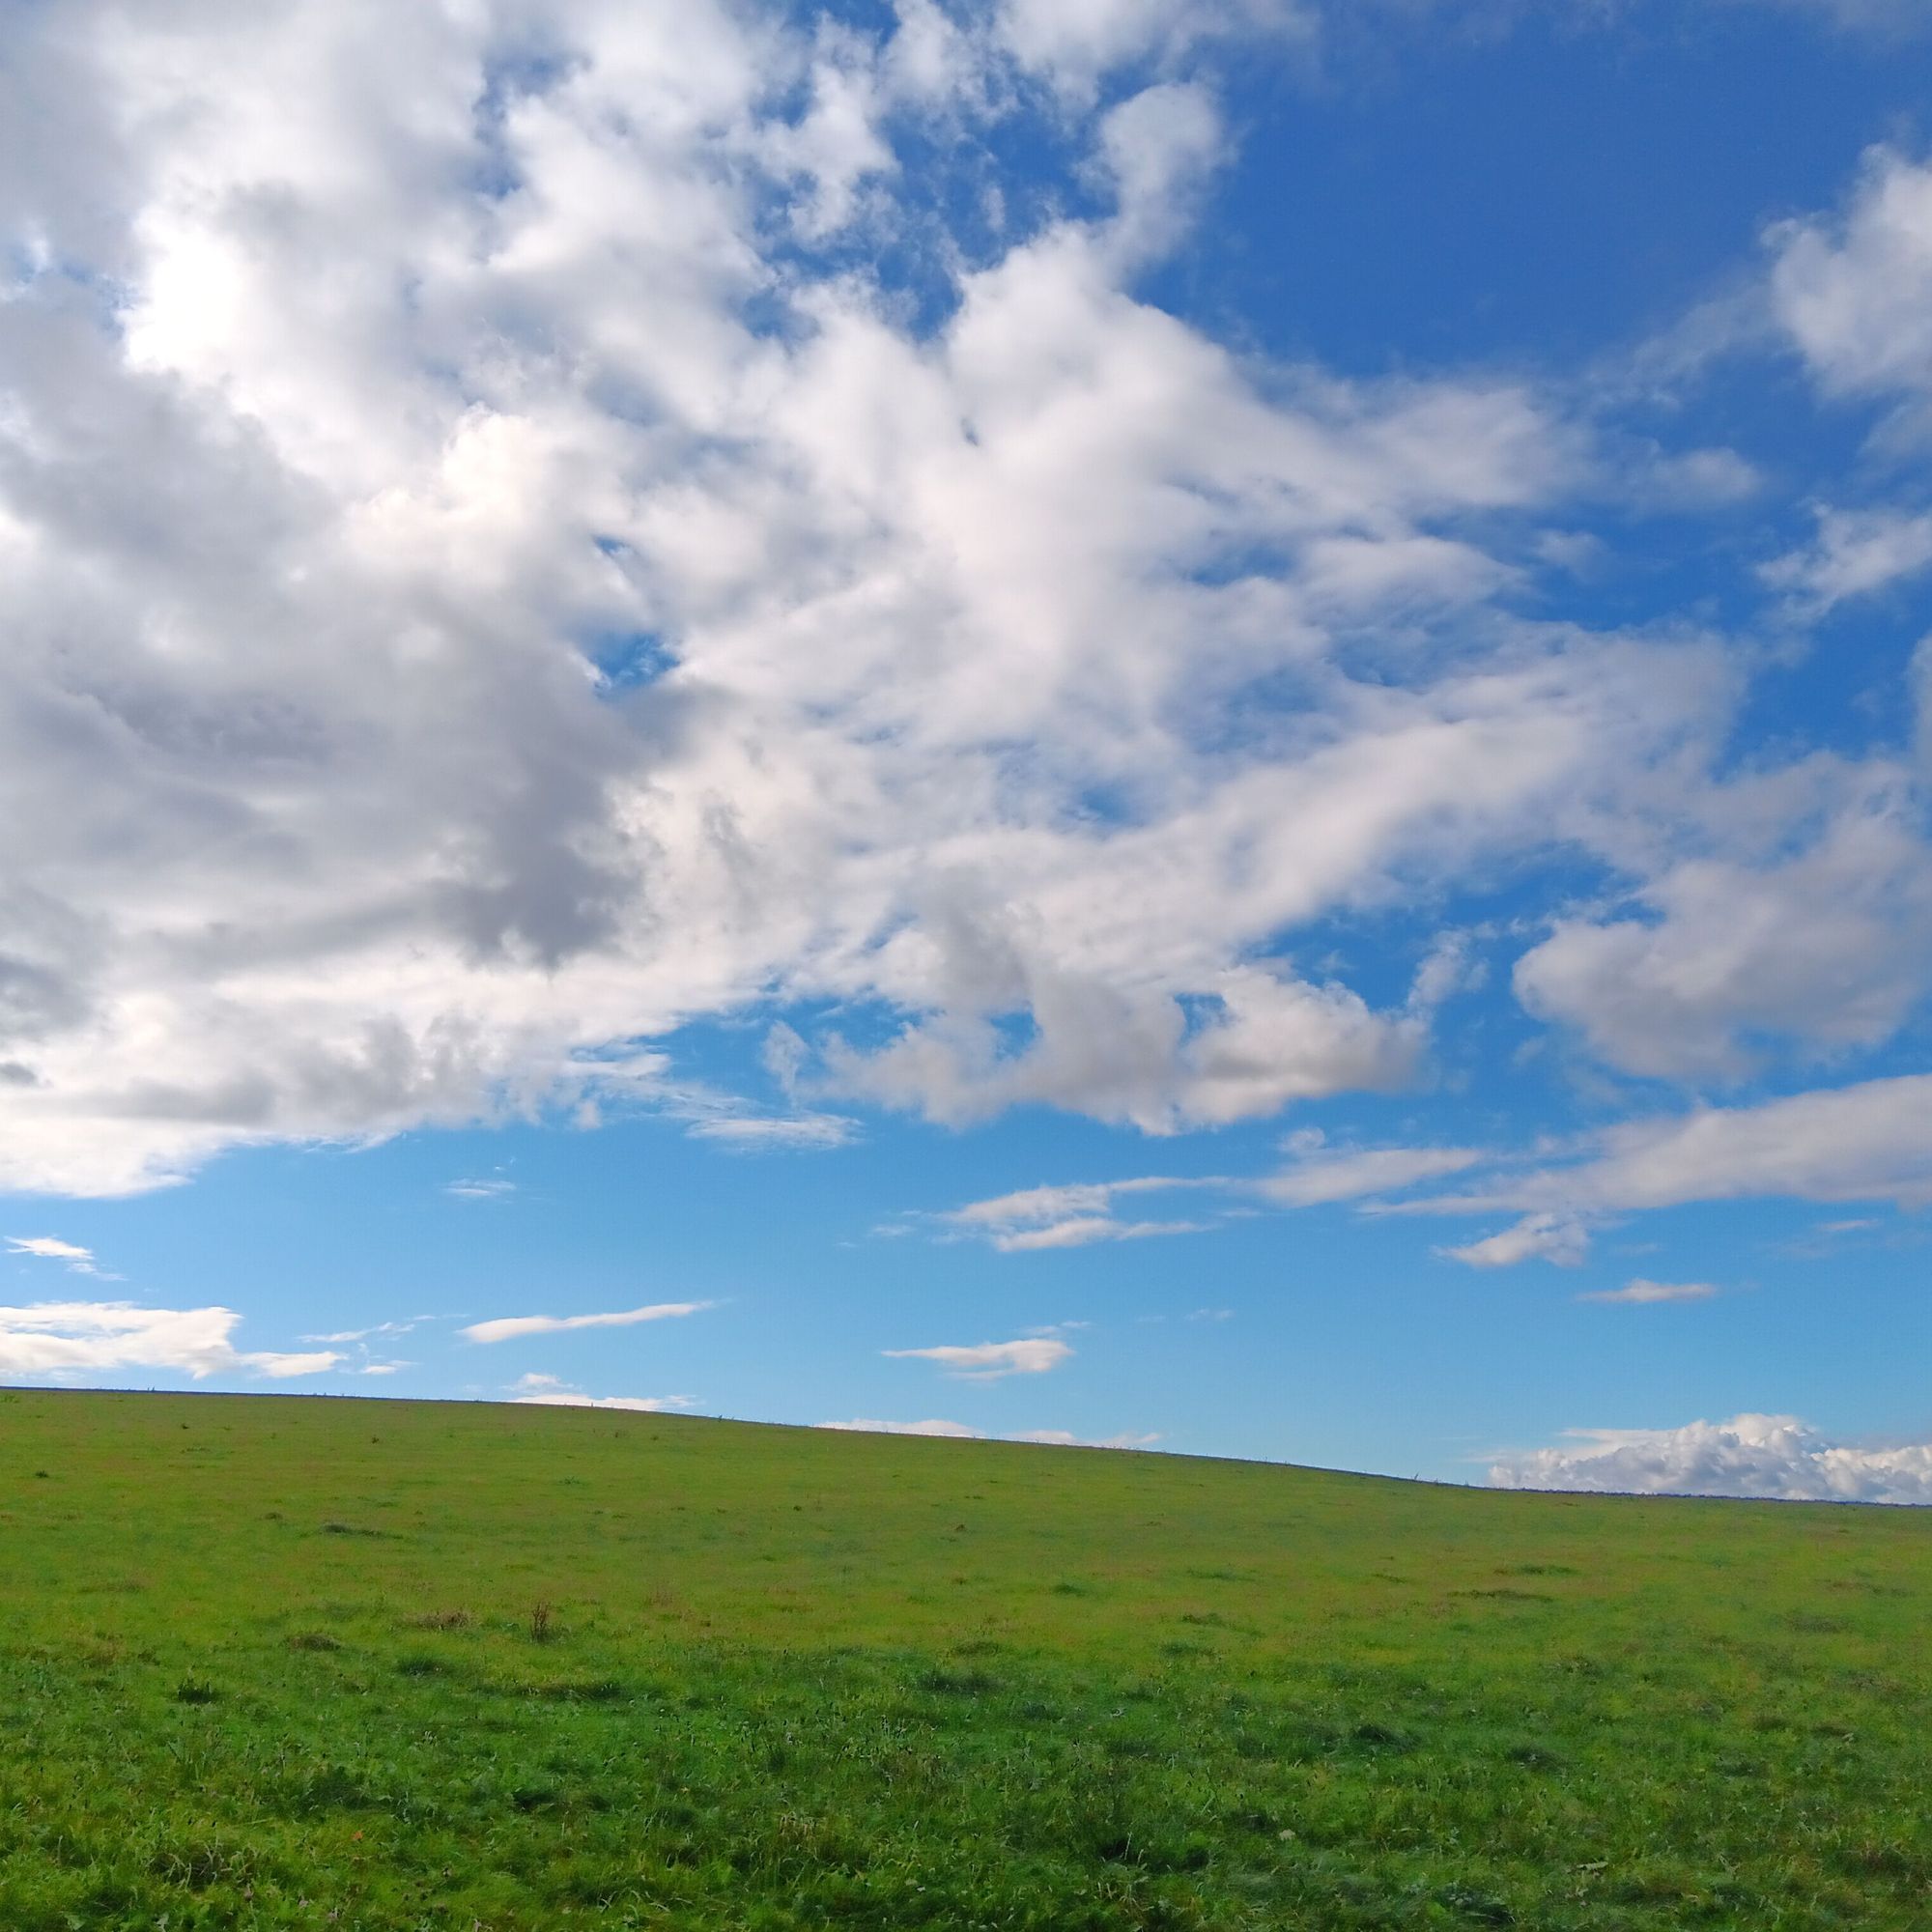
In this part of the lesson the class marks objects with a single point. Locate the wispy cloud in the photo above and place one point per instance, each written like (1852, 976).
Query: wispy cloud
(647, 1404)
(1078, 1214)
(47, 1248)
(932, 1426)
(479, 1191)
(750, 1132)
(508, 1327)
(1061, 1439)
(60, 1338)
(1545, 1237)
(988, 1361)
(1085, 1230)
(1325, 1175)
(1642, 1290)
(376, 1328)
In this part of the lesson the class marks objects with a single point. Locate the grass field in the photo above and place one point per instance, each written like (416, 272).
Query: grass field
(285, 1661)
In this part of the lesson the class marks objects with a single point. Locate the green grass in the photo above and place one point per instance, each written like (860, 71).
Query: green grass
(283, 1661)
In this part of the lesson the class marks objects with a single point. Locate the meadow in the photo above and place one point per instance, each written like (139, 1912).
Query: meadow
(277, 1662)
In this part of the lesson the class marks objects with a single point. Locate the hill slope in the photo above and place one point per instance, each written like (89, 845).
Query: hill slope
(282, 1661)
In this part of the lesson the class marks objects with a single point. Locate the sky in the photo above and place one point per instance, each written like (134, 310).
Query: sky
(1196, 725)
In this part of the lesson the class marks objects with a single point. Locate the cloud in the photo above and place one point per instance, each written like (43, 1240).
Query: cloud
(1867, 1142)
(480, 1190)
(1856, 293)
(1642, 1290)
(776, 1130)
(92, 1338)
(1829, 947)
(932, 1426)
(1072, 1215)
(649, 1405)
(1747, 1456)
(45, 1247)
(988, 1361)
(1547, 1237)
(1855, 554)
(1041, 1206)
(509, 1327)
(507, 586)
(556, 595)
(1082, 1231)
(1064, 1438)
(1346, 1174)
(377, 1329)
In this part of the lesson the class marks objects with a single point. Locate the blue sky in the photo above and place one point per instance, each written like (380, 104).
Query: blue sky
(1203, 727)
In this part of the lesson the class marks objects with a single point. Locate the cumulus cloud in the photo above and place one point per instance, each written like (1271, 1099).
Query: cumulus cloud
(487, 589)
(1747, 1456)
(504, 645)
(1545, 1237)
(1827, 948)
(1640, 1291)
(61, 1337)
(509, 1327)
(1856, 292)
(988, 1361)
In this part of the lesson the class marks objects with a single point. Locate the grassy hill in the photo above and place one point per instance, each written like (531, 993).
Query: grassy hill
(278, 1662)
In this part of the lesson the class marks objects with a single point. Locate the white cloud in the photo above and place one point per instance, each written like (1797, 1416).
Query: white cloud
(93, 1338)
(1747, 1456)
(1548, 1237)
(1041, 1205)
(1640, 1291)
(1827, 948)
(376, 1328)
(988, 1361)
(499, 589)
(776, 1130)
(932, 1426)
(1064, 1438)
(1347, 1174)
(1083, 1231)
(480, 1190)
(406, 413)
(1073, 42)
(47, 1247)
(509, 1327)
(1855, 554)
(1856, 293)
(649, 1405)
(1867, 1142)
(1070, 1215)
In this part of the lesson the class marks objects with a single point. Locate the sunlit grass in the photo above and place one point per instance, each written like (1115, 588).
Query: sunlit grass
(267, 1660)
